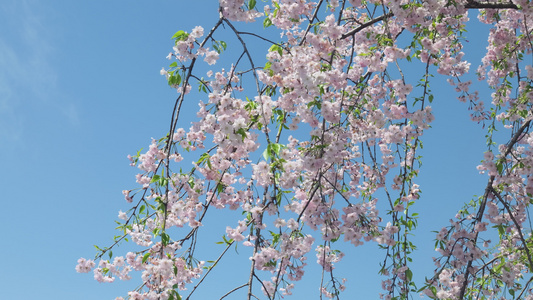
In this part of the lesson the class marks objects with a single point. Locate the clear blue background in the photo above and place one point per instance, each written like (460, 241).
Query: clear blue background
(80, 89)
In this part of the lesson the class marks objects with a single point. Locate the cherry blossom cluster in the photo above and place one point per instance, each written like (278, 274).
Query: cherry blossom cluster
(315, 141)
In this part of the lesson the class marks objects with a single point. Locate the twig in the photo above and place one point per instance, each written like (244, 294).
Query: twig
(228, 293)
(208, 271)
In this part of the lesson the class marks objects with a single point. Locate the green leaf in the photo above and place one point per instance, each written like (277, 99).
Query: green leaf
(267, 68)
(275, 237)
(499, 166)
(266, 153)
(276, 148)
(163, 181)
(251, 4)
(203, 158)
(276, 48)
(201, 86)
(180, 36)
(165, 239)
(409, 275)
(272, 148)
(267, 22)
(242, 132)
(174, 64)
(433, 290)
(174, 79)
(145, 257)
(174, 296)
(228, 242)
(219, 46)
(501, 230)
(220, 188)
(154, 178)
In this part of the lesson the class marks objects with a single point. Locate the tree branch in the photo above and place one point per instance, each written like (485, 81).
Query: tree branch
(367, 24)
(228, 293)
(488, 189)
(470, 5)
(481, 5)
(494, 192)
(211, 268)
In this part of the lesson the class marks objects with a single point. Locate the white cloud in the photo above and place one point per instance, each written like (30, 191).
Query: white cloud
(28, 78)
(10, 74)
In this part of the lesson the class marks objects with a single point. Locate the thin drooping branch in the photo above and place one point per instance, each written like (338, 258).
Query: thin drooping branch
(488, 5)
(525, 288)
(488, 190)
(310, 25)
(367, 24)
(264, 39)
(469, 5)
(233, 290)
(209, 270)
(253, 68)
(517, 226)
(177, 105)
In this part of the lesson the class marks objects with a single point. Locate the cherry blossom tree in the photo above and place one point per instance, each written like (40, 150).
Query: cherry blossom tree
(317, 145)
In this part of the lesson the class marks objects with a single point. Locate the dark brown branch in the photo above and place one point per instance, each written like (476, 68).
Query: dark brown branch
(525, 288)
(494, 192)
(264, 39)
(228, 293)
(311, 21)
(209, 270)
(253, 67)
(470, 5)
(367, 24)
(481, 5)
(488, 189)
(177, 105)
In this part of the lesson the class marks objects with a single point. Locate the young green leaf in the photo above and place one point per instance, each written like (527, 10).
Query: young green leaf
(267, 22)
(145, 257)
(165, 239)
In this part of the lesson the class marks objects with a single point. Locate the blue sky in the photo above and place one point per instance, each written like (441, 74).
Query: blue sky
(80, 89)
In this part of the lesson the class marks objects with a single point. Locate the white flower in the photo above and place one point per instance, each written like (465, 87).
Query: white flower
(197, 32)
(211, 57)
(122, 215)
